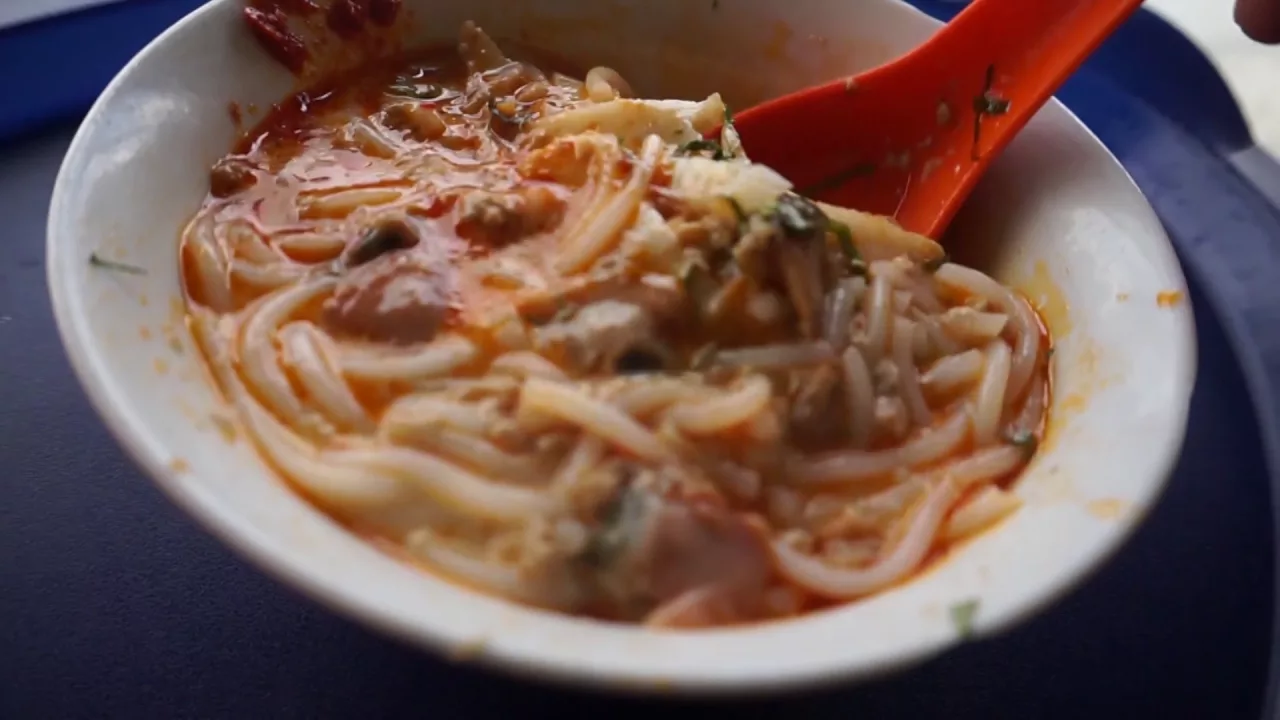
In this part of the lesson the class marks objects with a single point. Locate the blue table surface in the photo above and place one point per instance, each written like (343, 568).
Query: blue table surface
(113, 604)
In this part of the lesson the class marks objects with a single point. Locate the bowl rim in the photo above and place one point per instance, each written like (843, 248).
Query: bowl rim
(268, 553)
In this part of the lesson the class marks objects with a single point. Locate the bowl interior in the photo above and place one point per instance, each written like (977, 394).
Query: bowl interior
(1058, 218)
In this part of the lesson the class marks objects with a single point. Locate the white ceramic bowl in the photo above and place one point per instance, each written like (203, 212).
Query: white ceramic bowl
(1071, 229)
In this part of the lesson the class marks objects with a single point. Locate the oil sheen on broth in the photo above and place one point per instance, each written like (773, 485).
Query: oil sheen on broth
(573, 349)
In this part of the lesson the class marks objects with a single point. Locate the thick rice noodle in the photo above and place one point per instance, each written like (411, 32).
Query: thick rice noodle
(567, 345)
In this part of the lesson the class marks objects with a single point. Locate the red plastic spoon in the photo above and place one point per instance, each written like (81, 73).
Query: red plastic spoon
(911, 138)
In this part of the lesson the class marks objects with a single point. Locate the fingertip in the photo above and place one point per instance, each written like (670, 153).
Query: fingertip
(1259, 19)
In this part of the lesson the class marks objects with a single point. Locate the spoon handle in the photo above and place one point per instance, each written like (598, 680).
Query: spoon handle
(1007, 58)
(910, 138)
(1022, 50)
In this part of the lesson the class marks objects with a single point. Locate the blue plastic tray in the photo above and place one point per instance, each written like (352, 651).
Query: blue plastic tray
(112, 604)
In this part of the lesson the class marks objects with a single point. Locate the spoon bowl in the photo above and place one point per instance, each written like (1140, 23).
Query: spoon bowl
(911, 138)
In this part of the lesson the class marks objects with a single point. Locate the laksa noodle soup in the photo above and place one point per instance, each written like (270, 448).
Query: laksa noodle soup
(574, 349)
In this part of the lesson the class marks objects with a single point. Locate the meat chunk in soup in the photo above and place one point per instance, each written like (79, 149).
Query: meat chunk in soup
(398, 298)
(599, 335)
(499, 219)
(651, 550)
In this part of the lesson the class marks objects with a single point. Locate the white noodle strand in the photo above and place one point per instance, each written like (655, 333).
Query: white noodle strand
(597, 233)
(259, 357)
(726, 411)
(308, 352)
(844, 466)
(860, 397)
(568, 403)
(432, 360)
(845, 584)
(1026, 327)
(954, 372)
(989, 402)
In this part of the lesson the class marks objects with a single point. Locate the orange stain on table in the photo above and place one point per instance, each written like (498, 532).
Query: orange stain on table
(1169, 298)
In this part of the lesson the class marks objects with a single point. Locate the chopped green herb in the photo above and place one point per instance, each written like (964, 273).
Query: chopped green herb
(703, 145)
(844, 236)
(418, 92)
(1049, 353)
(838, 179)
(962, 614)
(1024, 439)
(728, 116)
(621, 520)
(933, 265)
(798, 218)
(988, 103)
(98, 261)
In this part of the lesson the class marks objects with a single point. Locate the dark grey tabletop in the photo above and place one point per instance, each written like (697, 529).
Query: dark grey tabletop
(113, 604)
